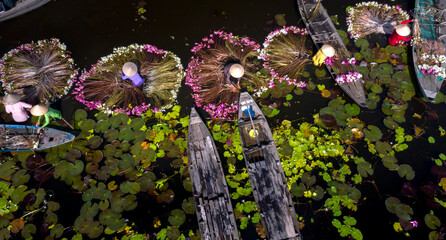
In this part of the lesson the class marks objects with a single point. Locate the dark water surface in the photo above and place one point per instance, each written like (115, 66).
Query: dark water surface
(92, 28)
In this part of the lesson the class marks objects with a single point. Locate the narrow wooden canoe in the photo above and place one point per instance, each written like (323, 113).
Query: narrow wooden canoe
(22, 7)
(431, 30)
(266, 174)
(322, 31)
(212, 201)
(25, 138)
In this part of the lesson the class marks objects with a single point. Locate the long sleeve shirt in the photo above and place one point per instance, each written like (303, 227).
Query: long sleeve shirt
(18, 111)
(52, 113)
(395, 37)
(137, 80)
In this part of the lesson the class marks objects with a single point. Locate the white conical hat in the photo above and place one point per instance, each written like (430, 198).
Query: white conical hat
(129, 69)
(328, 50)
(237, 70)
(11, 98)
(39, 110)
(403, 30)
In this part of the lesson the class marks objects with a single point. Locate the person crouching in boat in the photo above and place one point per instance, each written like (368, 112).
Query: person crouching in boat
(15, 107)
(324, 52)
(401, 33)
(48, 113)
(236, 71)
(130, 71)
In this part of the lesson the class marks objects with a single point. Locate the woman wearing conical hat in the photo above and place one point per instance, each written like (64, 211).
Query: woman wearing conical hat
(401, 33)
(130, 71)
(324, 52)
(17, 108)
(40, 110)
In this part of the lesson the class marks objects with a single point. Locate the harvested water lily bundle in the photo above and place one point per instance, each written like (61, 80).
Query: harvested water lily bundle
(285, 55)
(222, 65)
(431, 58)
(371, 17)
(131, 80)
(40, 72)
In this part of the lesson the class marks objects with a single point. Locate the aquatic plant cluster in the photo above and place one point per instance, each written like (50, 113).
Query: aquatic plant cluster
(366, 18)
(26, 70)
(102, 88)
(127, 177)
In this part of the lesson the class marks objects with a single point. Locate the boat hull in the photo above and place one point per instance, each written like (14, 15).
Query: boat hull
(25, 138)
(22, 8)
(429, 84)
(265, 171)
(212, 201)
(323, 31)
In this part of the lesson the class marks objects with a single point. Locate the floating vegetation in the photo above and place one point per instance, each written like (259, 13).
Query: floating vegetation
(285, 55)
(103, 88)
(205, 73)
(371, 17)
(40, 72)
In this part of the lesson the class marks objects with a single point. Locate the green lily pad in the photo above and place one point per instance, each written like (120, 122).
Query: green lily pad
(137, 123)
(27, 231)
(188, 205)
(352, 109)
(130, 202)
(362, 43)
(126, 135)
(80, 115)
(20, 177)
(95, 142)
(373, 133)
(177, 217)
(405, 170)
(111, 134)
(365, 169)
(376, 88)
(89, 210)
(354, 193)
(307, 179)
(390, 162)
(320, 73)
(87, 125)
(102, 116)
(77, 168)
(72, 155)
(391, 203)
(95, 229)
(432, 221)
(403, 211)
(102, 126)
(390, 123)
(187, 185)
(318, 193)
(298, 189)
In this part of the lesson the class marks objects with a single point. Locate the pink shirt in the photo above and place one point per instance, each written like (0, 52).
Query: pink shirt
(18, 111)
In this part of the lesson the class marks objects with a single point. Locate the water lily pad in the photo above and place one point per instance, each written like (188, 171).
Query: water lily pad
(177, 217)
(352, 109)
(167, 197)
(365, 169)
(80, 115)
(376, 88)
(28, 231)
(95, 142)
(102, 116)
(126, 135)
(6, 169)
(432, 221)
(72, 155)
(51, 218)
(111, 134)
(318, 193)
(89, 210)
(108, 217)
(391, 203)
(405, 170)
(95, 229)
(20, 177)
(18, 194)
(298, 189)
(354, 193)
(320, 73)
(390, 162)
(373, 133)
(28, 200)
(390, 123)
(188, 205)
(137, 123)
(130, 202)
(403, 211)
(362, 43)
(17, 225)
(109, 150)
(307, 179)
(87, 125)
(102, 126)
(187, 184)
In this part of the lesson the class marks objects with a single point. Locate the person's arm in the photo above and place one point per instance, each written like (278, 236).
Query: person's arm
(26, 105)
(47, 120)
(124, 76)
(408, 38)
(407, 21)
(7, 109)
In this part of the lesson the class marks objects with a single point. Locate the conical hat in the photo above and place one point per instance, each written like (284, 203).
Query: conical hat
(237, 70)
(328, 50)
(129, 69)
(39, 110)
(403, 30)
(11, 98)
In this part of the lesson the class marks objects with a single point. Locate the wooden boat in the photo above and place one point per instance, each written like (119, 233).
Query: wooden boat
(22, 7)
(431, 17)
(322, 31)
(265, 172)
(212, 201)
(25, 138)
